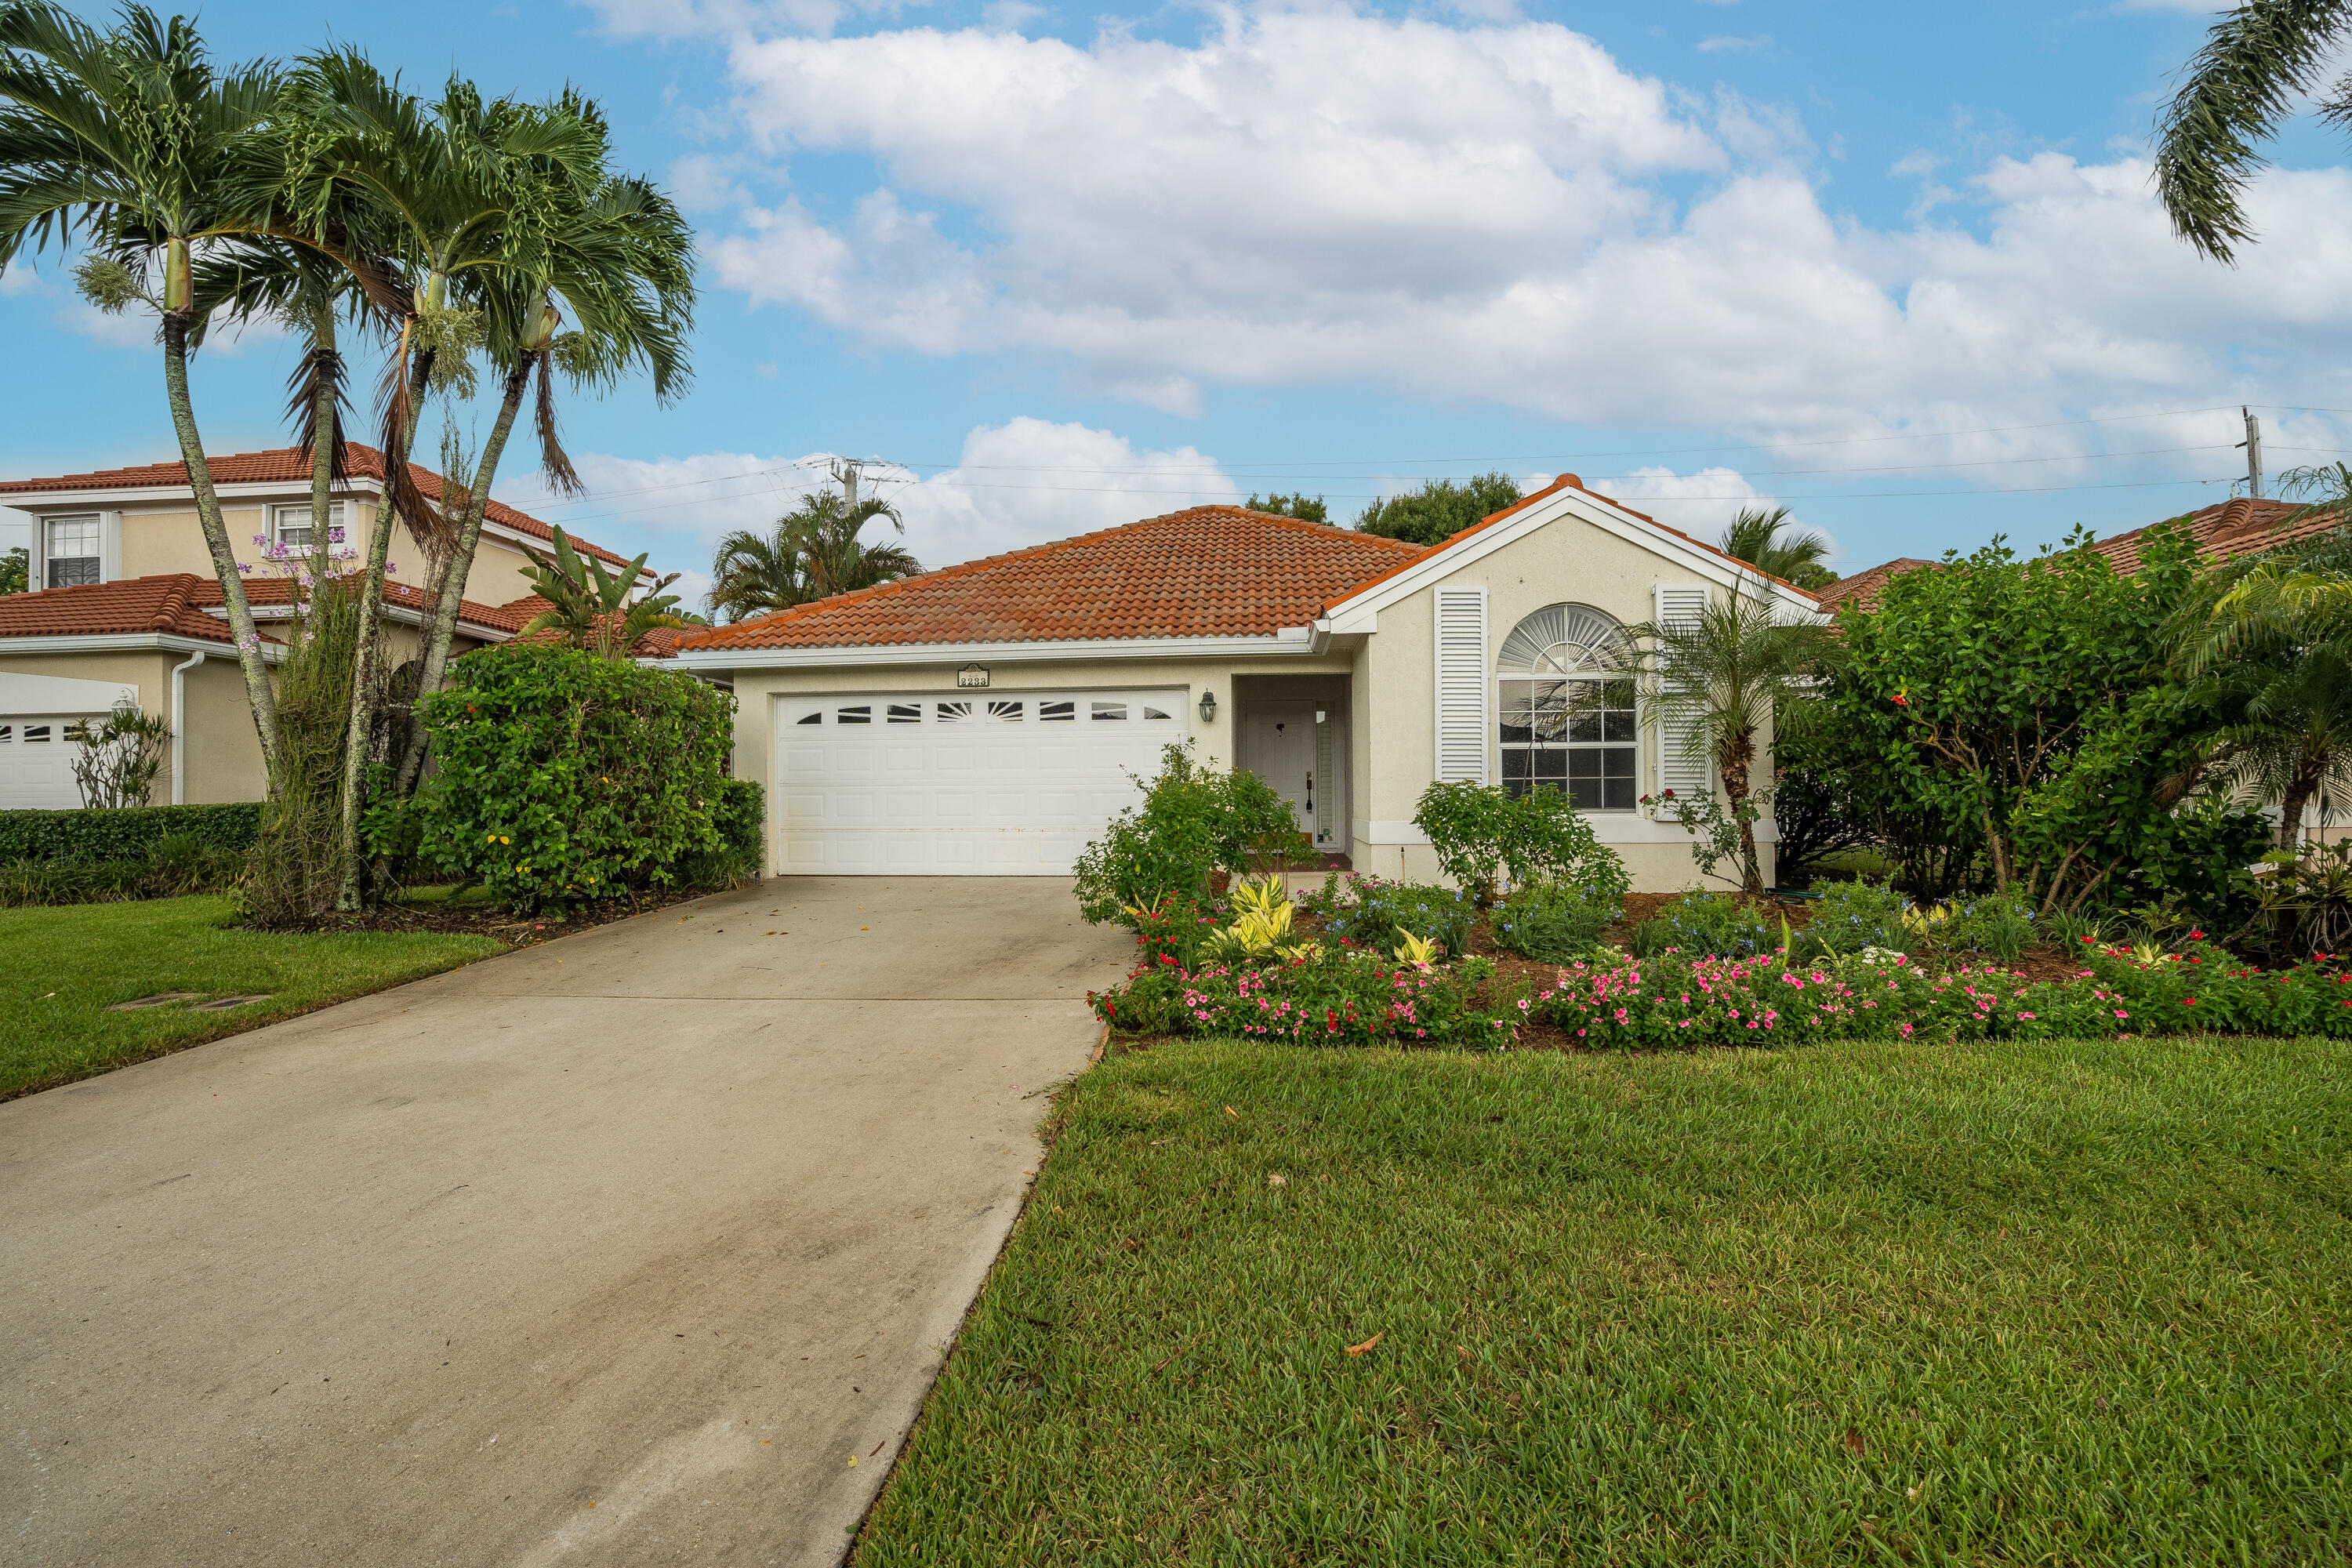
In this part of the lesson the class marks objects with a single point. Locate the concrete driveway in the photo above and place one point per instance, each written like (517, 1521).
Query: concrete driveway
(640, 1246)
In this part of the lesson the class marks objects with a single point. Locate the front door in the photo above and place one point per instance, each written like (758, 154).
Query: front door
(1281, 751)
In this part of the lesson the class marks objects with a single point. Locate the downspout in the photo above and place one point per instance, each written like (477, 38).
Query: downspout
(180, 725)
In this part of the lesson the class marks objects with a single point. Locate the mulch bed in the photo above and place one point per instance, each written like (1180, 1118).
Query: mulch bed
(496, 921)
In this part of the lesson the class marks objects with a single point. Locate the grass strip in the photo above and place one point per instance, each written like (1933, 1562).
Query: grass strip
(63, 967)
(2063, 1301)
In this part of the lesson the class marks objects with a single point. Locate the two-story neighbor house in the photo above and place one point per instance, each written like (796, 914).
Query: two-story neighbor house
(125, 608)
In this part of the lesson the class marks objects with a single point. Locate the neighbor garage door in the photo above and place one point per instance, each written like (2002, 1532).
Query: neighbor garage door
(37, 761)
(973, 784)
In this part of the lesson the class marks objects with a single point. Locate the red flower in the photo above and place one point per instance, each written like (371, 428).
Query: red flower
(1901, 701)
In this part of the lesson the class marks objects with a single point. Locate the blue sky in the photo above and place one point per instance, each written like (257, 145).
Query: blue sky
(1897, 267)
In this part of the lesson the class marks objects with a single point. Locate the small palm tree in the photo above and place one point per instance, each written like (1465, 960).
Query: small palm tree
(590, 607)
(2261, 61)
(2293, 743)
(814, 552)
(1714, 681)
(1766, 542)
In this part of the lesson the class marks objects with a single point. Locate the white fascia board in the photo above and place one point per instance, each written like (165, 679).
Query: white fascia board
(1361, 612)
(1289, 640)
(128, 642)
(161, 497)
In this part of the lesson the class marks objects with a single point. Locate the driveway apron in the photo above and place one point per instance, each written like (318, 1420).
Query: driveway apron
(639, 1247)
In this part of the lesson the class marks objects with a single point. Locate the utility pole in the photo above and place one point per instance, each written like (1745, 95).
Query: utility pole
(2254, 446)
(846, 470)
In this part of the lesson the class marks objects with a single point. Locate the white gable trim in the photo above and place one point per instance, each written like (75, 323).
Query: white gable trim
(1361, 611)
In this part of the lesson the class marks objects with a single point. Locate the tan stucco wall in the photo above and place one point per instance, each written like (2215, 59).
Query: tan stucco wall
(171, 540)
(221, 752)
(1566, 561)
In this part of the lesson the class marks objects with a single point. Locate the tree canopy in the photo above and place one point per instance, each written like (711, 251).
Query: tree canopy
(1439, 509)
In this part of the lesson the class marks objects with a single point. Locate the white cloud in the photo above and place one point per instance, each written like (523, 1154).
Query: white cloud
(1731, 46)
(1495, 213)
(1020, 483)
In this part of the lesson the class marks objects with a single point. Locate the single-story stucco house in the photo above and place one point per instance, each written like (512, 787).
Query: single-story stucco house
(125, 609)
(985, 719)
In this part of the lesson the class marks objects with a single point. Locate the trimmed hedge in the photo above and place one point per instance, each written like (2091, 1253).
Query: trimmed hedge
(741, 818)
(127, 832)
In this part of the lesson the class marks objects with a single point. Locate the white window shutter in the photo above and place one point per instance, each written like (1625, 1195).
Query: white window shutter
(1681, 605)
(109, 546)
(1462, 685)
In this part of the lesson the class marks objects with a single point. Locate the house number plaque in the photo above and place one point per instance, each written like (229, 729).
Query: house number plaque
(972, 675)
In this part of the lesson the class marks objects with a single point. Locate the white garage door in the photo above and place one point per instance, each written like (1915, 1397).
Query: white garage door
(975, 783)
(37, 762)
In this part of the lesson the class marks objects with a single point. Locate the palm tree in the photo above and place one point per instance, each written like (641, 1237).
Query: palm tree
(589, 607)
(2293, 744)
(814, 552)
(2276, 630)
(1757, 537)
(621, 261)
(2260, 61)
(1714, 680)
(307, 292)
(135, 140)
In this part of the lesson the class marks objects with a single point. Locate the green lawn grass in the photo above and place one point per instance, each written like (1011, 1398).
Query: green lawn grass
(63, 967)
(2051, 1303)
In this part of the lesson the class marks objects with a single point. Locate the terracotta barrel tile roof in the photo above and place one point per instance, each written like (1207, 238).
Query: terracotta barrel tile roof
(2229, 527)
(287, 465)
(1208, 571)
(275, 590)
(170, 602)
(1861, 591)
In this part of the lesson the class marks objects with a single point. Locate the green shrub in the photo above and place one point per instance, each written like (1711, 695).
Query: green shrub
(1485, 838)
(1195, 821)
(1702, 923)
(564, 778)
(1851, 916)
(1369, 912)
(740, 818)
(126, 833)
(1552, 923)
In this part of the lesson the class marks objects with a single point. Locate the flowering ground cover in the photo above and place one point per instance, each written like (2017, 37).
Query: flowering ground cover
(1985, 1300)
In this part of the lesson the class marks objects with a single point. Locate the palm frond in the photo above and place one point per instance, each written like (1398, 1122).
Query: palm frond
(2258, 61)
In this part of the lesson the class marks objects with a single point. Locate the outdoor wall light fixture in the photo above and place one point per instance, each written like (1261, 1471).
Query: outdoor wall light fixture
(1208, 708)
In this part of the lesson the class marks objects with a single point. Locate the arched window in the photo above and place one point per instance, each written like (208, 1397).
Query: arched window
(1567, 706)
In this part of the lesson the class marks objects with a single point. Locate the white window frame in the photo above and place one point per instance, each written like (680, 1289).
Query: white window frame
(96, 555)
(298, 517)
(1505, 670)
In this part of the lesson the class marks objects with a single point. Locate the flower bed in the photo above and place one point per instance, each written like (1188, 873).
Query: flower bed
(1676, 999)
(1336, 996)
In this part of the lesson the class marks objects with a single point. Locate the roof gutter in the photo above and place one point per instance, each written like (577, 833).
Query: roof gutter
(1290, 641)
(126, 642)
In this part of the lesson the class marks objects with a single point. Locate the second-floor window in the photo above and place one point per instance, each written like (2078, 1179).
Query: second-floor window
(71, 552)
(292, 524)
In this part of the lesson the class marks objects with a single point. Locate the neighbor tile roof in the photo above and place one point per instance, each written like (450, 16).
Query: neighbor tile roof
(1208, 571)
(1861, 591)
(169, 602)
(2229, 527)
(272, 590)
(285, 465)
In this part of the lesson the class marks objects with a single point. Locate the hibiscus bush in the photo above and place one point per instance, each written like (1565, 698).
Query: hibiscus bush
(562, 778)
